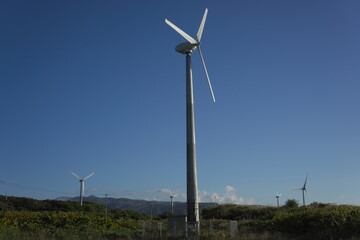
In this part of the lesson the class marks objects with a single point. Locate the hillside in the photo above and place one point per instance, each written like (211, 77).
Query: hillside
(95, 204)
(152, 208)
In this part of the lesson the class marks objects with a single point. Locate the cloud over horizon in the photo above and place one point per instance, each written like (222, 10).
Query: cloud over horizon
(228, 196)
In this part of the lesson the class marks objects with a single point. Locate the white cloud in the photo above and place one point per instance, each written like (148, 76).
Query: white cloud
(229, 188)
(165, 191)
(229, 195)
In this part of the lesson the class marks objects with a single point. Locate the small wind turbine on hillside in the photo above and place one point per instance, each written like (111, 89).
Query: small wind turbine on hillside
(172, 196)
(106, 203)
(192, 189)
(303, 189)
(278, 195)
(81, 180)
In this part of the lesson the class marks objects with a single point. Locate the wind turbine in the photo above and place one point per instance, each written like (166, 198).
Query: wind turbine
(172, 196)
(303, 189)
(277, 199)
(106, 204)
(82, 185)
(192, 189)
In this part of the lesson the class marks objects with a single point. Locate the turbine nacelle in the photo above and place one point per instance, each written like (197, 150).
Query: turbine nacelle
(186, 47)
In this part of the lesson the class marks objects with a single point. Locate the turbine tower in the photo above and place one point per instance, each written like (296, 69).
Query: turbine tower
(106, 204)
(278, 199)
(303, 189)
(172, 196)
(191, 173)
(81, 180)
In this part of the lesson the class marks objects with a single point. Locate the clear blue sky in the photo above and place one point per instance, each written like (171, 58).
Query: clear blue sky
(96, 86)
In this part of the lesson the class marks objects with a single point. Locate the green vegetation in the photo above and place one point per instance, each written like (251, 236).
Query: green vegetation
(29, 204)
(317, 221)
(33, 205)
(291, 203)
(63, 225)
(28, 219)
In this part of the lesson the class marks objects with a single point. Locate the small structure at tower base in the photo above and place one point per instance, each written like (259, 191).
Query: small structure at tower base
(177, 226)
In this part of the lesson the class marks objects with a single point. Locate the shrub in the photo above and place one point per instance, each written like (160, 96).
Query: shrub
(291, 203)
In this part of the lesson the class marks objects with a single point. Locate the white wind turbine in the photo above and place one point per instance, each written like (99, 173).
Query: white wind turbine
(192, 189)
(172, 196)
(278, 195)
(81, 180)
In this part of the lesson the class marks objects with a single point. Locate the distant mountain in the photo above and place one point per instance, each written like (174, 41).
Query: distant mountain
(152, 208)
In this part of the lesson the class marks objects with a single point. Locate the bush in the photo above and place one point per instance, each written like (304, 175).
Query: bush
(291, 203)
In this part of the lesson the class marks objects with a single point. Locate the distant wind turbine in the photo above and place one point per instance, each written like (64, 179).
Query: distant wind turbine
(303, 189)
(172, 196)
(106, 204)
(278, 195)
(82, 185)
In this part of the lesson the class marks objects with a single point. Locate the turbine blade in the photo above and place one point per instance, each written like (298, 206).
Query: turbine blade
(181, 32)
(76, 175)
(202, 24)
(207, 75)
(310, 197)
(306, 180)
(89, 176)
